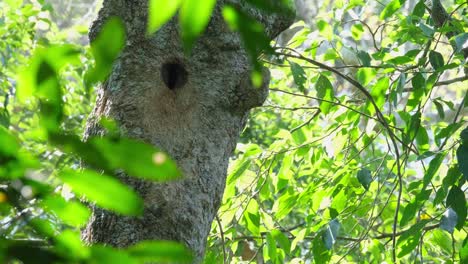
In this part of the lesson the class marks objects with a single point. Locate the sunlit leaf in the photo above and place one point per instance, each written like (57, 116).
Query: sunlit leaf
(410, 238)
(68, 244)
(106, 48)
(320, 251)
(194, 17)
(10, 145)
(160, 251)
(433, 168)
(271, 247)
(103, 254)
(284, 205)
(391, 8)
(252, 34)
(240, 168)
(464, 250)
(72, 213)
(160, 12)
(325, 92)
(104, 190)
(4, 117)
(137, 158)
(40, 76)
(252, 217)
(299, 75)
(282, 240)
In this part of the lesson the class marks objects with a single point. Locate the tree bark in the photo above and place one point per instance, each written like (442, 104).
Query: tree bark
(193, 107)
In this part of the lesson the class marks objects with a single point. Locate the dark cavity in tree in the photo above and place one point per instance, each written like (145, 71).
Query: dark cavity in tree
(174, 75)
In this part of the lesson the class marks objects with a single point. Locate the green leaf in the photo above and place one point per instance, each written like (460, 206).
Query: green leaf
(325, 29)
(464, 251)
(299, 75)
(10, 145)
(449, 220)
(436, 59)
(320, 251)
(284, 205)
(240, 168)
(282, 240)
(400, 60)
(271, 247)
(365, 75)
(137, 158)
(408, 213)
(160, 251)
(462, 158)
(252, 217)
(71, 212)
(160, 12)
(441, 239)
(194, 17)
(419, 9)
(464, 136)
(440, 109)
(391, 8)
(252, 33)
(331, 233)
(433, 168)
(325, 92)
(104, 190)
(379, 90)
(356, 31)
(68, 244)
(460, 41)
(410, 210)
(105, 49)
(419, 87)
(365, 178)
(408, 241)
(41, 79)
(4, 117)
(107, 255)
(447, 132)
(364, 57)
(422, 139)
(457, 201)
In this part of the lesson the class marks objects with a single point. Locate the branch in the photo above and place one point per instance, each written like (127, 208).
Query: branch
(381, 236)
(447, 82)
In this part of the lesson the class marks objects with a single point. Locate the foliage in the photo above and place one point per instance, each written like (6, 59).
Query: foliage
(40, 149)
(359, 155)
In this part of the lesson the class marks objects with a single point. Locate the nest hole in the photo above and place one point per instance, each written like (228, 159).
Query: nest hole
(174, 75)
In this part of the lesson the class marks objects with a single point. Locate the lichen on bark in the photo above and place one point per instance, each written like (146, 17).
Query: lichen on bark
(198, 124)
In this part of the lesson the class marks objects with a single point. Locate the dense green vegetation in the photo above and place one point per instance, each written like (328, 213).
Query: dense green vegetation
(360, 154)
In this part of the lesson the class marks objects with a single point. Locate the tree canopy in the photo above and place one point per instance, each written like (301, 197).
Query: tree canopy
(360, 153)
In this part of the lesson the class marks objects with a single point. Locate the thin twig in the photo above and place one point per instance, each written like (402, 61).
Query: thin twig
(222, 237)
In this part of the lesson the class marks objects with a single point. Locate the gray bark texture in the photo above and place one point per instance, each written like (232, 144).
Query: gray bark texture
(197, 122)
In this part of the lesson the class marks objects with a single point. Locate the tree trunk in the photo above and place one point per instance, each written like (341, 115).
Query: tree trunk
(193, 107)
